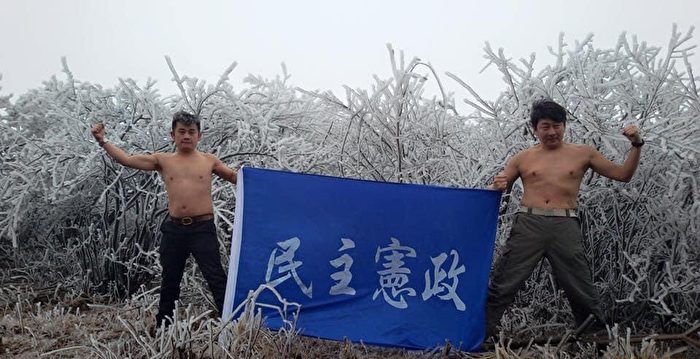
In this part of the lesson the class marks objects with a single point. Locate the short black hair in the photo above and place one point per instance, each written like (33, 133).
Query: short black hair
(547, 109)
(185, 118)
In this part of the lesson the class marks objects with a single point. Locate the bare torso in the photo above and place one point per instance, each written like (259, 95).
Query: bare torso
(551, 178)
(188, 179)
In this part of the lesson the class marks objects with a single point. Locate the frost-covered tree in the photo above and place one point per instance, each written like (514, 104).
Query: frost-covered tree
(642, 236)
(67, 206)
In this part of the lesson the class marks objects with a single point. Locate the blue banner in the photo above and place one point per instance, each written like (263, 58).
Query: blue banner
(383, 263)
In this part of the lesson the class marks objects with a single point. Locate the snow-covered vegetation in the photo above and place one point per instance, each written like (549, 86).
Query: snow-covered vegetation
(76, 226)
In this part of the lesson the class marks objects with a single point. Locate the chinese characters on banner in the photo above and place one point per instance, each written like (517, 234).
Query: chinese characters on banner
(393, 277)
(384, 263)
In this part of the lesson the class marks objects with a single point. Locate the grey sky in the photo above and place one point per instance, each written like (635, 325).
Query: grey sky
(324, 43)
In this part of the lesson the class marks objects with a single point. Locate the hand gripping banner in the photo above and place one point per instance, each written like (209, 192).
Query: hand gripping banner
(383, 263)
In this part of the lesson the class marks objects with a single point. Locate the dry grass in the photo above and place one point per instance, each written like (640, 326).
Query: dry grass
(82, 327)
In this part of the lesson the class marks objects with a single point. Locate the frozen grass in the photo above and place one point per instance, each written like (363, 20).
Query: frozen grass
(82, 327)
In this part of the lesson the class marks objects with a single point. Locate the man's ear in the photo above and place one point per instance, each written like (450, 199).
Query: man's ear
(172, 135)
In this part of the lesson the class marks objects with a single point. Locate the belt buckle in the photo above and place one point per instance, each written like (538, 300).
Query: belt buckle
(549, 212)
(186, 221)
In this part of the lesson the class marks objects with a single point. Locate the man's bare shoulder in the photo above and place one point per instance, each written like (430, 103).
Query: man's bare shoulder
(529, 150)
(162, 156)
(580, 149)
(525, 153)
(519, 159)
(210, 156)
(202, 158)
(579, 146)
(161, 159)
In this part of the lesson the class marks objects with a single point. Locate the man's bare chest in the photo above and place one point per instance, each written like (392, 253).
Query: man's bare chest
(553, 169)
(174, 171)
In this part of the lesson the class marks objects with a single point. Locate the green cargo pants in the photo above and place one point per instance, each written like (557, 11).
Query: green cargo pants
(532, 237)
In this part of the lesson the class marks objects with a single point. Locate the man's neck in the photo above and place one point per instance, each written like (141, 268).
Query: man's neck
(544, 147)
(180, 152)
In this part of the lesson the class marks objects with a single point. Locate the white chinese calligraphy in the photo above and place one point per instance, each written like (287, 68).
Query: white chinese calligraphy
(439, 288)
(343, 277)
(395, 276)
(286, 265)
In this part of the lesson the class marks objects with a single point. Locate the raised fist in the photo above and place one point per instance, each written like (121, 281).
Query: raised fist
(632, 133)
(98, 131)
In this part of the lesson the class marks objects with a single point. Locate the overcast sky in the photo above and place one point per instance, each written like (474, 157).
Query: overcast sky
(324, 44)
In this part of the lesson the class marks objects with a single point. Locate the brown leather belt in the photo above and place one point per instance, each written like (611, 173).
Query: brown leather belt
(549, 212)
(186, 221)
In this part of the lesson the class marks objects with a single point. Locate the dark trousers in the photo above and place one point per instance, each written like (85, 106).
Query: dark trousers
(532, 237)
(178, 242)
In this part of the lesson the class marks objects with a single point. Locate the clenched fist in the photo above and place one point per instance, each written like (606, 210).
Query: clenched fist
(632, 133)
(500, 182)
(98, 131)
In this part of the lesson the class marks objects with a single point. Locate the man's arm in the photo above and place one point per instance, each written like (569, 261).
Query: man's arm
(223, 171)
(623, 172)
(146, 162)
(510, 173)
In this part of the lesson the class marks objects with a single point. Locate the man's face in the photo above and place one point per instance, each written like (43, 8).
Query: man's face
(550, 133)
(186, 137)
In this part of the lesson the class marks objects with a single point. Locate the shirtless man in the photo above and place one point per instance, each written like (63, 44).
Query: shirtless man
(189, 228)
(547, 224)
